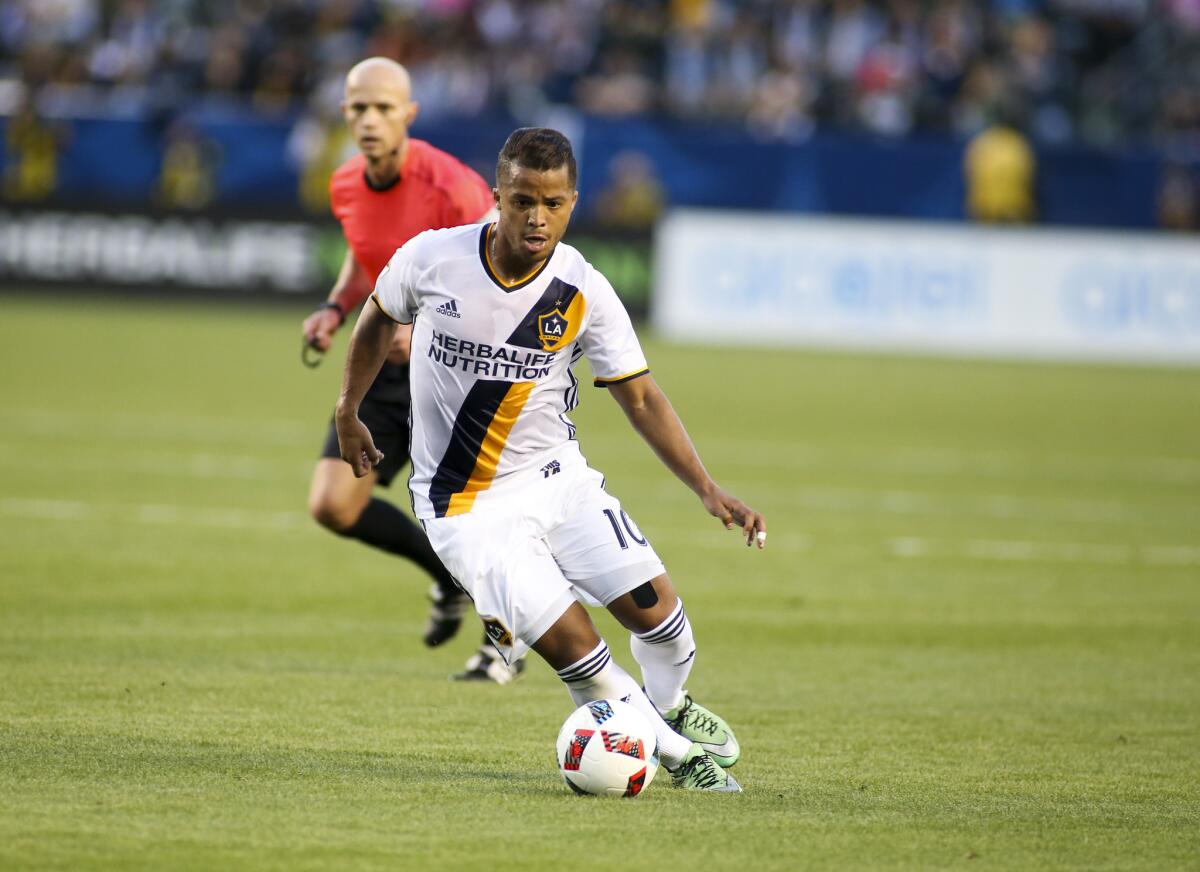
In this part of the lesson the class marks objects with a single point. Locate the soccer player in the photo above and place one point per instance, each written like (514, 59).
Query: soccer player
(395, 188)
(502, 311)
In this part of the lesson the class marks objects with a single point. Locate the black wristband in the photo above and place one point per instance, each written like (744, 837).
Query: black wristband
(329, 304)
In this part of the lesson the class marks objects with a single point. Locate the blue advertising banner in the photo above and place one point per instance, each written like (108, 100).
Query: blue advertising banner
(229, 158)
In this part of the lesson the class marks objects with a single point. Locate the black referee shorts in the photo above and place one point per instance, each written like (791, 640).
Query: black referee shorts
(388, 423)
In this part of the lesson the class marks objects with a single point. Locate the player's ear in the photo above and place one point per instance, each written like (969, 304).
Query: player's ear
(496, 196)
(411, 114)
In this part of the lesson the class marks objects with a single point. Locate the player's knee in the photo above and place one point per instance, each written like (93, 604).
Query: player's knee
(332, 513)
(646, 606)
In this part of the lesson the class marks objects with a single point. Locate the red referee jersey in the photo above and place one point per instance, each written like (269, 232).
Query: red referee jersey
(434, 190)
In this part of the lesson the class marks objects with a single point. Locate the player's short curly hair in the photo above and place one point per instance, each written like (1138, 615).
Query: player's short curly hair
(537, 148)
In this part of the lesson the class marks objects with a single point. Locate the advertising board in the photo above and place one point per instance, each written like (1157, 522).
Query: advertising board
(214, 254)
(742, 278)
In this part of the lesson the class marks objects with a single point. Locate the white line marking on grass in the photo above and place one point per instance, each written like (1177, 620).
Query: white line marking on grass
(1025, 551)
(141, 427)
(998, 506)
(213, 466)
(47, 510)
(158, 514)
(773, 454)
(907, 546)
(1062, 552)
(956, 462)
(240, 519)
(1172, 555)
(191, 516)
(165, 464)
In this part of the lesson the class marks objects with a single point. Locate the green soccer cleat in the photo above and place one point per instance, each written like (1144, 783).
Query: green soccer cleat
(710, 732)
(699, 771)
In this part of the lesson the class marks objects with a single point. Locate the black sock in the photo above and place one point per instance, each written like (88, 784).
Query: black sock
(386, 527)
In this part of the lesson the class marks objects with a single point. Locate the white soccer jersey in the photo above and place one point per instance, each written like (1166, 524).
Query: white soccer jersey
(490, 373)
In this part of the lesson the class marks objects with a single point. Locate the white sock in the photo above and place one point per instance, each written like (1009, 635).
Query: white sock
(596, 676)
(666, 655)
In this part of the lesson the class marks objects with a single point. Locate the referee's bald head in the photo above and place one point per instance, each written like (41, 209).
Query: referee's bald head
(380, 72)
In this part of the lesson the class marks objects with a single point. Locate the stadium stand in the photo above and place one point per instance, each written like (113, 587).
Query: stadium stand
(1101, 72)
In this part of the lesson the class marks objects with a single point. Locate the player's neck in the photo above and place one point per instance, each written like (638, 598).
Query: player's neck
(510, 265)
(383, 173)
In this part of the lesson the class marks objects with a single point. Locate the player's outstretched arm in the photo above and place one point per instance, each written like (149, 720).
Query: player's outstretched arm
(368, 347)
(652, 415)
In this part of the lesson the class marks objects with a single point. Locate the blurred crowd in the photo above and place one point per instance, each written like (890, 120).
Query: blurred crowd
(1103, 72)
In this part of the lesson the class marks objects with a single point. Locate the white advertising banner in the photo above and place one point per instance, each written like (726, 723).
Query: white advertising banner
(739, 278)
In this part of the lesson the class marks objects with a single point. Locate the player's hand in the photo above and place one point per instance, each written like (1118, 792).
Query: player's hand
(357, 447)
(319, 328)
(401, 348)
(733, 512)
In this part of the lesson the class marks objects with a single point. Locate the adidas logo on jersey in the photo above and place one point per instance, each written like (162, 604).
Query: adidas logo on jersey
(450, 308)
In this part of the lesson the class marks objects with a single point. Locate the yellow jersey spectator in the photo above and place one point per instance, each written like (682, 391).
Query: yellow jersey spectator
(1000, 170)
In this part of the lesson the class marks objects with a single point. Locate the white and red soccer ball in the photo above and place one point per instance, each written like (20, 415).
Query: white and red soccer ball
(607, 748)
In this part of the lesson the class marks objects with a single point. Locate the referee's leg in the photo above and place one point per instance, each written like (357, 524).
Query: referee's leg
(336, 499)
(345, 505)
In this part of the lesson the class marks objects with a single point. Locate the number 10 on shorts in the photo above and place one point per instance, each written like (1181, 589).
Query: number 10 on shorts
(629, 527)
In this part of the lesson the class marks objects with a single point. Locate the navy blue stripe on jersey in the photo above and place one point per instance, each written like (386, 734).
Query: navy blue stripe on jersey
(572, 395)
(567, 423)
(466, 438)
(379, 306)
(607, 383)
(412, 467)
(558, 295)
(487, 265)
(589, 667)
(668, 630)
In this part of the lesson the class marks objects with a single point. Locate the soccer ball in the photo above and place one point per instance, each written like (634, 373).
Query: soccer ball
(607, 748)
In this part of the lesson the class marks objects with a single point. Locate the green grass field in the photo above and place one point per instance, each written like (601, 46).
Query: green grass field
(974, 640)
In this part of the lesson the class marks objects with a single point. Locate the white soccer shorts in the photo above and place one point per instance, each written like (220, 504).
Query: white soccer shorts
(524, 559)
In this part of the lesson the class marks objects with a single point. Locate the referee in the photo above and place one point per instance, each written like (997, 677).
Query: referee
(393, 189)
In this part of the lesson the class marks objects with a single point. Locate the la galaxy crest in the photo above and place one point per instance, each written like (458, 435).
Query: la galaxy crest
(497, 632)
(551, 328)
(553, 322)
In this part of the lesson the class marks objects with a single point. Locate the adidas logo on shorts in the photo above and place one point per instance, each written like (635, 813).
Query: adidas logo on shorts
(450, 308)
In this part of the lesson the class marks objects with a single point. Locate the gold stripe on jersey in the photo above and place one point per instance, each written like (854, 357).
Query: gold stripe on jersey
(488, 458)
(617, 379)
(485, 249)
